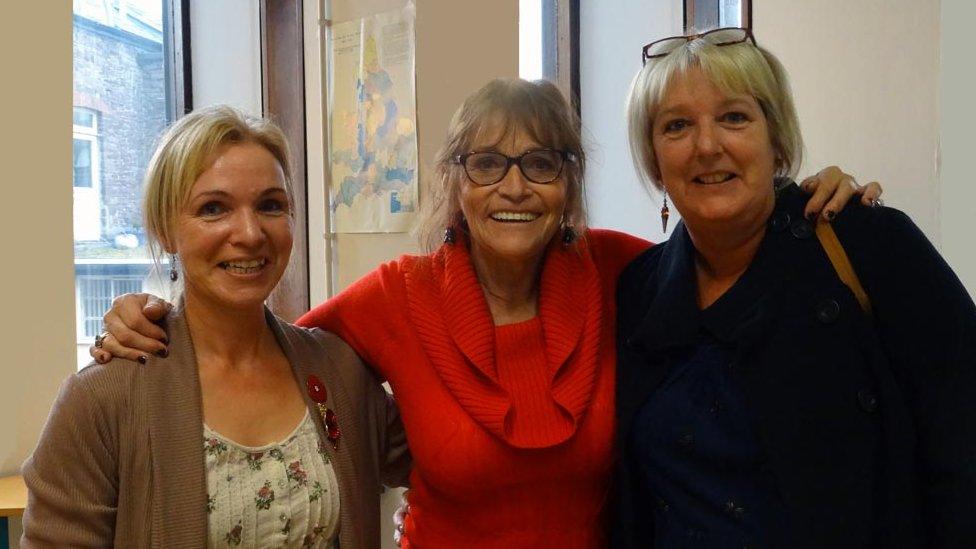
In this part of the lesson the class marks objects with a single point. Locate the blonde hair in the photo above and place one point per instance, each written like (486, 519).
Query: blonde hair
(537, 108)
(740, 68)
(186, 150)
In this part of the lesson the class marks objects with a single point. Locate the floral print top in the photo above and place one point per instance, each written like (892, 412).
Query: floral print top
(280, 495)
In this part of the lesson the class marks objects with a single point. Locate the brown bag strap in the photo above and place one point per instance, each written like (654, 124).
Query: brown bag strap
(838, 257)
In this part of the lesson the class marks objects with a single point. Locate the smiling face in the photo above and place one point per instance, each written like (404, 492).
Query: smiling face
(512, 220)
(234, 234)
(714, 153)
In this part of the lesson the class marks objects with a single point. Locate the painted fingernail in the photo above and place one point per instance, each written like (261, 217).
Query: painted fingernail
(811, 216)
(162, 353)
(830, 215)
(165, 340)
(143, 359)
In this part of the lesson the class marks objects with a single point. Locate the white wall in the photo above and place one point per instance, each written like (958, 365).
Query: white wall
(866, 81)
(225, 46)
(958, 125)
(612, 33)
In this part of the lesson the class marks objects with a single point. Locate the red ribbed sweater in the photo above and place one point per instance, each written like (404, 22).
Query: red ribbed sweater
(511, 427)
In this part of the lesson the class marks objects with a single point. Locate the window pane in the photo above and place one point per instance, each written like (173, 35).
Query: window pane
(730, 13)
(84, 118)
(530, 39)
(82, 163)
(120, 89)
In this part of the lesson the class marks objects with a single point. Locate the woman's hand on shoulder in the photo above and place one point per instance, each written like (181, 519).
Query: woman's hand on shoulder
(130, 330)
(831, 189)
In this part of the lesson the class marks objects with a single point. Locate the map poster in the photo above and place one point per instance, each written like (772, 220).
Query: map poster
(374, 124)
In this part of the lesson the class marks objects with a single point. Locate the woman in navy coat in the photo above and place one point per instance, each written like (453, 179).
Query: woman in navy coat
(758, 405)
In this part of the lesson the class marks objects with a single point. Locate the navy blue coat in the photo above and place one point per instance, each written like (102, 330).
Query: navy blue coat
(868, 423)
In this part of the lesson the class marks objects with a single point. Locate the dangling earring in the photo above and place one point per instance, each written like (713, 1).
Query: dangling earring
(665, 214)
(449, 235)
(173, 273)
(569, 234)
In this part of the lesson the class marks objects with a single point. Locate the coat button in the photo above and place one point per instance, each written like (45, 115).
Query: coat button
(867, 401)
(779, 221)
(802, 229)
(734, 510)
(632, 344)
(716, 407)
(827, 311)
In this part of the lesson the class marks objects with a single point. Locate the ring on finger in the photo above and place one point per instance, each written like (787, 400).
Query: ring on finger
(877, 203)
(100, 339)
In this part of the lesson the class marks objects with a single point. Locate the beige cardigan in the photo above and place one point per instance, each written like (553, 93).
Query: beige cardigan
(121, 459)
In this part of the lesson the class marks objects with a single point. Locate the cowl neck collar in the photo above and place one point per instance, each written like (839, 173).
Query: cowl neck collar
(447, 304)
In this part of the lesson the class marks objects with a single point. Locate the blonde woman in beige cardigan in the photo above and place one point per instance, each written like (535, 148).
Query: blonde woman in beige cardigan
(251, 432)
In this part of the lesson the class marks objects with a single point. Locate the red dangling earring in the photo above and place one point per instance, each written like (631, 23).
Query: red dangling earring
(665, 214)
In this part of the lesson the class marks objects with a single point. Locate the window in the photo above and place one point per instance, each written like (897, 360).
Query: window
(96, 286)
(702, 15)
(85, 148)
(549, 43)
(85, 175)
(83, 165)
(530, 39)
(127, 89)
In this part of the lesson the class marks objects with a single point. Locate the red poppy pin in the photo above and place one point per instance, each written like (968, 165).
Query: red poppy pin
(316, 390)
(319, 395)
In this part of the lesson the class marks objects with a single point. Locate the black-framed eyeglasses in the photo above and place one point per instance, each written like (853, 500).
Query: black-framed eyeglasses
(725, 36)
(538, 166)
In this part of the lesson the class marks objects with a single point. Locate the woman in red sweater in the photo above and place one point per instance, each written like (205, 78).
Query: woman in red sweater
(499, 344)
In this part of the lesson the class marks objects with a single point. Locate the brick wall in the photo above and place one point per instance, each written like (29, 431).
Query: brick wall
(121, 76)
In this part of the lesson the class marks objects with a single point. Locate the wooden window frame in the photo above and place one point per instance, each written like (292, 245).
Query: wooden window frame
(560, 46)
(691, 7)
(283, 101)
(179, 79)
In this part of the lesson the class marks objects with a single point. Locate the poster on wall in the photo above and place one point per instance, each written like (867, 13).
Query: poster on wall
(374, 124)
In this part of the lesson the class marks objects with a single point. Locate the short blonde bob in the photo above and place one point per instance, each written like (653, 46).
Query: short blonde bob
(496, 110)
(740, 69)
(186, 150)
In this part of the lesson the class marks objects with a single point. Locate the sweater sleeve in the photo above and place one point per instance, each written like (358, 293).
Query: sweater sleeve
(72, 476)
(614, 250)
(927, 323)
(366, 315)
(395, 459)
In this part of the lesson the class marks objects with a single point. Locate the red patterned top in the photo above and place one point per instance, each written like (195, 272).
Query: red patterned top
(511, 427)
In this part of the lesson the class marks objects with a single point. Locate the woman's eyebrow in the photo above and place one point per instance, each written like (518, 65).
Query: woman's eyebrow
(273, 190)
(213, 193)
(670, 111)
(736, 101)
(217, 193)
